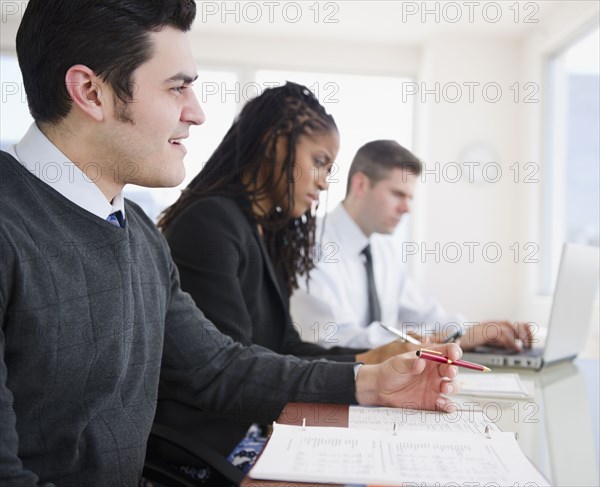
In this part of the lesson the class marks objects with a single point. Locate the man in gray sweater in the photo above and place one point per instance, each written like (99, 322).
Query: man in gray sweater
(92, 315)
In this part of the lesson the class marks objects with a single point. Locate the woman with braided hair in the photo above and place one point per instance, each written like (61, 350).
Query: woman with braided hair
(243, 230)
(256, 160)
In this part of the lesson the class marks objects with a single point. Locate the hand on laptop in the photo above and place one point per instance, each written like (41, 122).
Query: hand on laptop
(503, 334)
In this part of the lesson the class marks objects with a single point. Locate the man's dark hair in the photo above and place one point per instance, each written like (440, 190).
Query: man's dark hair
(377, 158)
(111, 37)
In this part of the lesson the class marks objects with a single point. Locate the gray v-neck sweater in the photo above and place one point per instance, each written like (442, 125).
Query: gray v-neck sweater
(92, 319)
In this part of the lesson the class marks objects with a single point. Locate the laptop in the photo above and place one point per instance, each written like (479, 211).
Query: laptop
(570, 317)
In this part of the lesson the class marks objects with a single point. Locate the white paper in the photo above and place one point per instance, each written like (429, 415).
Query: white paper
(474, 403)
(469, 421)
(493, 385)
(345, 455)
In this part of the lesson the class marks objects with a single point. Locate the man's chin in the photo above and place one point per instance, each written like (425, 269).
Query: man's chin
(387, 230)
(160, 181)
(176, 181)
(173, 178)
(392, 226)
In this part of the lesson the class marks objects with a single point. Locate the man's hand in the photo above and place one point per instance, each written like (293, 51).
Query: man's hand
(409, 381)
(384, 352)
(499, 334)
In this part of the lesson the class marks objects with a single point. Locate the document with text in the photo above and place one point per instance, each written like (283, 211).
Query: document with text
(402, 455)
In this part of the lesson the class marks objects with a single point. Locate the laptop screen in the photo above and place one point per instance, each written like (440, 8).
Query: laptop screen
(573, 302)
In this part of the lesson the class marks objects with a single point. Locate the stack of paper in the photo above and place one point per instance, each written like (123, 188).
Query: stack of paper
(493, 385)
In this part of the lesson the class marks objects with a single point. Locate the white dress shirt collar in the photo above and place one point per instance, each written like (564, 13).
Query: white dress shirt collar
(352, 238)
(45, 161)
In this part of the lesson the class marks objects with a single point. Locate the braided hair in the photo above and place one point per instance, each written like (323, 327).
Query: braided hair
(237, 168)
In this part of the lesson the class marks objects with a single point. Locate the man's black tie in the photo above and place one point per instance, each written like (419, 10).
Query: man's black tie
(374, 309)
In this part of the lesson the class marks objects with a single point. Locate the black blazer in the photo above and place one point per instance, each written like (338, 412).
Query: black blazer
(224, 265)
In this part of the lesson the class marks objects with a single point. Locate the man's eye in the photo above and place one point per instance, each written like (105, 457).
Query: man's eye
(178, 89)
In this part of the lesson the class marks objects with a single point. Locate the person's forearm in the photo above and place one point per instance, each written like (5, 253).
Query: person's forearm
(366, 388)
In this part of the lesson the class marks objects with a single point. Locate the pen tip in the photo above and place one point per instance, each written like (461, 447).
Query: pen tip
(486, 369)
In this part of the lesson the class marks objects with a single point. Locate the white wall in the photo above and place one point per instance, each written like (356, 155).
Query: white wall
(305, 54)
(469, 210)
(505, 212)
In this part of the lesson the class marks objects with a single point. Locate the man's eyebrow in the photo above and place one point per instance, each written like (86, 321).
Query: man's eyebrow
(186, 78)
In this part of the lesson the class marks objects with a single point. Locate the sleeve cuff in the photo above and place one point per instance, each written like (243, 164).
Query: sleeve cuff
(356, 367)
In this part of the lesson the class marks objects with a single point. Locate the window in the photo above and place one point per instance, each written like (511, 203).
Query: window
(572, 151)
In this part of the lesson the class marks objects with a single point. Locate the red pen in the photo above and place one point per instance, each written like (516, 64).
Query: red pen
(442, 359)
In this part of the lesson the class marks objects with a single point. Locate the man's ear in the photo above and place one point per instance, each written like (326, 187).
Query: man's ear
(85, 89)
(360, 183)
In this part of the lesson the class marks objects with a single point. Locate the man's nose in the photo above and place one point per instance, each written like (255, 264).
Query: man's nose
(192, 112)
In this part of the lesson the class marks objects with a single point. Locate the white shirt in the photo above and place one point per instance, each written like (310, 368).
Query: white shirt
(45, 161)
(334, 309)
